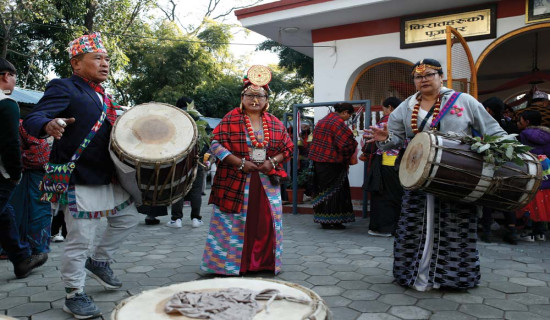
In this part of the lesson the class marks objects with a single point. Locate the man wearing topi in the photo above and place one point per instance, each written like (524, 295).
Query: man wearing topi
(79, 114)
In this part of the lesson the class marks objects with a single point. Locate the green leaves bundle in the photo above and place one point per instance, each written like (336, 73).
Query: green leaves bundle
(498, 150)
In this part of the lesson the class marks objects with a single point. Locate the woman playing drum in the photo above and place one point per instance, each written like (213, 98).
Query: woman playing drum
(246, 225)
(435, 244)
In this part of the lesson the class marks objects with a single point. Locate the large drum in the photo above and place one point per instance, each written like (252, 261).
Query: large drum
(446, 167)
(150, 304)
(159, 141)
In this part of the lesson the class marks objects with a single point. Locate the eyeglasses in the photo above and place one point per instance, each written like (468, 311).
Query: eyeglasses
(254, 96)
(427, 76)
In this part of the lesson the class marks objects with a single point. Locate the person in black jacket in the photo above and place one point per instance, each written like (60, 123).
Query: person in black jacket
(70, 111)
(19, 253)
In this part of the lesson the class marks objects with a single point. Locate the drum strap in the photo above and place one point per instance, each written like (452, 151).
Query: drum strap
(444, 110)
(428, 115)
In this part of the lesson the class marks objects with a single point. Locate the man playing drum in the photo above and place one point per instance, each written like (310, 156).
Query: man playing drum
(72, 111)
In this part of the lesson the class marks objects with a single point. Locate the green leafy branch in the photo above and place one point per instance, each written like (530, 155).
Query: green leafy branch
(498, 150)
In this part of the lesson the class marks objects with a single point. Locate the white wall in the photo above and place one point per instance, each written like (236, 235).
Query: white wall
(336, 68)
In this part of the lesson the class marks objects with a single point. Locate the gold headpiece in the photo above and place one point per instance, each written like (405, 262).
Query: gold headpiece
(421, 67)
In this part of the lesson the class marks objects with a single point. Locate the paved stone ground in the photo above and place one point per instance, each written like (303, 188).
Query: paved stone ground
(348, 268)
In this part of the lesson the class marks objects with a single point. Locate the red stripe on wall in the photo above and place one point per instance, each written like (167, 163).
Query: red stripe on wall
(275, 7)
(505, 9)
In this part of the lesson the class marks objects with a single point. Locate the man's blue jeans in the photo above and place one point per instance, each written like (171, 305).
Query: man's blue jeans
(9, 233)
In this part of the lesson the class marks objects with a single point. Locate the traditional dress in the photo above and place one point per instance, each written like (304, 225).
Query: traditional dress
(246, 226)
(538, 137)
(33, 217)
(435, 244)
(331, 150)
(385, 189)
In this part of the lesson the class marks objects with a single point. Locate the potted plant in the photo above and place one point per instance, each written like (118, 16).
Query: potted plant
(302, 181)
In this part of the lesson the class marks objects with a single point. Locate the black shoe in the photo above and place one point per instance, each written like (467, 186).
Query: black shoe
(338, 226)
(485, 237)
(23, 268)
(151, 222)
(326, 226)
(510, 237)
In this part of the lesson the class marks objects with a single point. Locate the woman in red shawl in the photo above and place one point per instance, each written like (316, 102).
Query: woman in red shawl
(246, 225)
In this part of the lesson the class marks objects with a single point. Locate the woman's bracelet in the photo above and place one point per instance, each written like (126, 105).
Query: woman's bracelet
(273, 162)
(241, 167)
(388, 139)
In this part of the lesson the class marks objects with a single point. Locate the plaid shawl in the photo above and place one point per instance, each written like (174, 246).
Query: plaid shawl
(228, 187)
(332, 141)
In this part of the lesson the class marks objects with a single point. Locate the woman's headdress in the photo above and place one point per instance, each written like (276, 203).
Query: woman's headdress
(420, 66)
(258, 77)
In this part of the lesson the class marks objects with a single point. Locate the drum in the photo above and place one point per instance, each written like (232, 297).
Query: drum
(150, 304)
(446, 167)
(159, 141)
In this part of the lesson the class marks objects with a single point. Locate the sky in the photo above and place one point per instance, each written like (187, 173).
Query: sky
(245, 42)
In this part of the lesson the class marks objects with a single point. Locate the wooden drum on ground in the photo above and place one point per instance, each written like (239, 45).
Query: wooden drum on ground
(150, 304)
(159, 141)
(446, 167)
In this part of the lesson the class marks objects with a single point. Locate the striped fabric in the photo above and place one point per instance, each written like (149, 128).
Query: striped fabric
(224, 244)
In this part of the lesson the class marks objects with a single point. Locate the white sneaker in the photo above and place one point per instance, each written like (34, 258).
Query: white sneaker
(174, 223)
(196, 223)
(379, 234)
(527, 237)
(58, 238)
(540, 237)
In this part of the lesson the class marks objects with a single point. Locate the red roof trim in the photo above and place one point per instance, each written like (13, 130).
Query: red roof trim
(505, 9)
(275, 7)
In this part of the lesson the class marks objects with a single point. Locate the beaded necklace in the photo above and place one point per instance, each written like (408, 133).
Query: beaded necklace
(414, 116)
(250, 129)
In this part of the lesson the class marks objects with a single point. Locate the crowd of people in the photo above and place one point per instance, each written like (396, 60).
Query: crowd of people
(74, 181)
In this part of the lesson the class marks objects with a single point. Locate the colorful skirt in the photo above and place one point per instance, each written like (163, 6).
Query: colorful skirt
(332, 204)
(539, 208)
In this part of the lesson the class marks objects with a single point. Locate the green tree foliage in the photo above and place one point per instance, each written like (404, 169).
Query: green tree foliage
(290, 59)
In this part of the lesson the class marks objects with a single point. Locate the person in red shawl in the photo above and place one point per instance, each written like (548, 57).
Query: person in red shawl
(332, 150)
(245, 231)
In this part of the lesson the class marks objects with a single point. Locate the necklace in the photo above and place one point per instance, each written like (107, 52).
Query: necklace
(255, 143)
(414, 116)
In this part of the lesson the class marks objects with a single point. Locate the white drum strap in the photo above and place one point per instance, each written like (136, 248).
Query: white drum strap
(486, 180)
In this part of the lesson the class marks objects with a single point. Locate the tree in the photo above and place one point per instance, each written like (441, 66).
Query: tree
(290, 59)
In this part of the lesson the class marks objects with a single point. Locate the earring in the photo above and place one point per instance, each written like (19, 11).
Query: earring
(241, 107)
(266, 107)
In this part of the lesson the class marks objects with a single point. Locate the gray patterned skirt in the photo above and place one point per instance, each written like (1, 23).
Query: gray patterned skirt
(447, 239)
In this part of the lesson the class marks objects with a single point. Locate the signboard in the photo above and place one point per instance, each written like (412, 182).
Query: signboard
(428, 30)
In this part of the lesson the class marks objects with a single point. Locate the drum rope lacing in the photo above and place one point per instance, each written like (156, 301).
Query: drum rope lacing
(496, 182)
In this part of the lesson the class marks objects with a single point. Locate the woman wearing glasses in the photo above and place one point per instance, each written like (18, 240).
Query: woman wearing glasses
(435, 243)
(246, 224)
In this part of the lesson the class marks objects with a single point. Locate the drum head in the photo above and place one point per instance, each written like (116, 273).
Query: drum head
(414, 168)
(150, 304)
(154, 131)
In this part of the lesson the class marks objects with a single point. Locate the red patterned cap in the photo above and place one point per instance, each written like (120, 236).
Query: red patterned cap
(86, 44)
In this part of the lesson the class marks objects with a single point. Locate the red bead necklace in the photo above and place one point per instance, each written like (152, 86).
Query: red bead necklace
(414, 116)
(250, 129)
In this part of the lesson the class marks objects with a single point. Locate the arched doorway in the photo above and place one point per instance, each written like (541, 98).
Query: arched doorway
(514, 63)
(383, 79)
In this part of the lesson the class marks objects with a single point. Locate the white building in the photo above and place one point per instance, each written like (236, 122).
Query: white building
(363, 49)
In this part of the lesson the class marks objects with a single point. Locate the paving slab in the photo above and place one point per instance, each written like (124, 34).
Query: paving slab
(349, 269)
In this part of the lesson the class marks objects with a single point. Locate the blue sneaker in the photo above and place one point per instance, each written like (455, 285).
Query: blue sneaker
(81, 307)
(101, 271)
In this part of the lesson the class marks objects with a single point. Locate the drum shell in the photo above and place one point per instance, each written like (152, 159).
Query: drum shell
(161, 181)
(455, 172)
(151, 302)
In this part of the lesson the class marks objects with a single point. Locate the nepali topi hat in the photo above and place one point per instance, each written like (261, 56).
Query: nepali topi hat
(86, 44)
